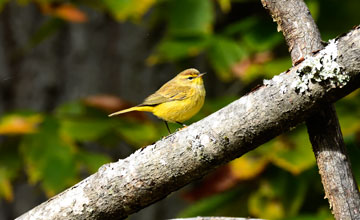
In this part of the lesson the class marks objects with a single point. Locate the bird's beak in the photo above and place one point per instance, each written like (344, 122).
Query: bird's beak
(200, 75)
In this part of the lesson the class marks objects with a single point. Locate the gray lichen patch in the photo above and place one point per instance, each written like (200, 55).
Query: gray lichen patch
(322, 68)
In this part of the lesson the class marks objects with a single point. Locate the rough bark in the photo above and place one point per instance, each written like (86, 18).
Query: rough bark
(303, 37)
(334, 165)
(150, 174)
(214, 218)
(299, 29)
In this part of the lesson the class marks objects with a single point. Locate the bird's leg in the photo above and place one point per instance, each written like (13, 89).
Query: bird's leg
(167, 126)
(184, 125)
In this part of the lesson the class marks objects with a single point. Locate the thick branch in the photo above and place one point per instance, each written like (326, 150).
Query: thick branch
(215, 218)
(334, 165)
(150, 174)
(303, 37)
(299, 29)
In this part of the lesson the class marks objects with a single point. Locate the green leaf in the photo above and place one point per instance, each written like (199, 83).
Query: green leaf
(241, 27)
(190, 18)
(212, 105)
(128, 9)
(266, 70)
(225, 5)
(85, 129)
(49, 158)
(291, 151)
(6, 190)
(348, 113)
(71, 109)
(215, 205)
(173, 49)
(49, 28)
(280, 195)
(2, 4)
(353, 147)
(137, 133)
(92, 161)
(223, 54)
(314, 8)
(276, 66)
(10, 165)
(14, 124)
(262, 36)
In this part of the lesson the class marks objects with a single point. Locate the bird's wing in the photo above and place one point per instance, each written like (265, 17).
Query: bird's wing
(166, 94)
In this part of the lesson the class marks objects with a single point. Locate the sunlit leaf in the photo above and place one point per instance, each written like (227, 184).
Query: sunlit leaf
(9, 168)
(70, 13)
(128, 9)
(248, 166)
(349, 115)
(19, 124)
(261, 206)
(225, 5)
(278, 196)
(6, 190)
(291, 152)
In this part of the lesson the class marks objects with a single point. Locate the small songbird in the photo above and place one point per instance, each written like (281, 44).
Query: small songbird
(177, 100)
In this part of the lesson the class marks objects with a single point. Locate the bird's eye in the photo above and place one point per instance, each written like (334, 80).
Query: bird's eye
(190, 78)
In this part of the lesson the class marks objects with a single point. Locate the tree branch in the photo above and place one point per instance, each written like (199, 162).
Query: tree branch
(334, 165)
(299, 29)
(303, 37)
(214, 218)
(150, 174)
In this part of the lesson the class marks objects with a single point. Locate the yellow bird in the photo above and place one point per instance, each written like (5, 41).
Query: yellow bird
(177, 100)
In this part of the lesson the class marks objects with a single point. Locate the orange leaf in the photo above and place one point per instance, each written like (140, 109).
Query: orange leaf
(111, 104)
(218, 181)
(70, 13)
(17, 124)
(240, 69)
(65, 11)
(108, 103)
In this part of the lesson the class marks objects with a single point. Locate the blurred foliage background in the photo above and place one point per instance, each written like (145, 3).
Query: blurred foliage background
(64, 65)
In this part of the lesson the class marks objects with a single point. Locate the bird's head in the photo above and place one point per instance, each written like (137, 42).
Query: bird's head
(190, 77)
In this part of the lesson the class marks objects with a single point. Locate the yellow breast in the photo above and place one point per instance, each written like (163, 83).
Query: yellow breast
(182, 110)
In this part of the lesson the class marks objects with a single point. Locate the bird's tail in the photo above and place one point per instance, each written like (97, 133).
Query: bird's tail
(135, 108)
